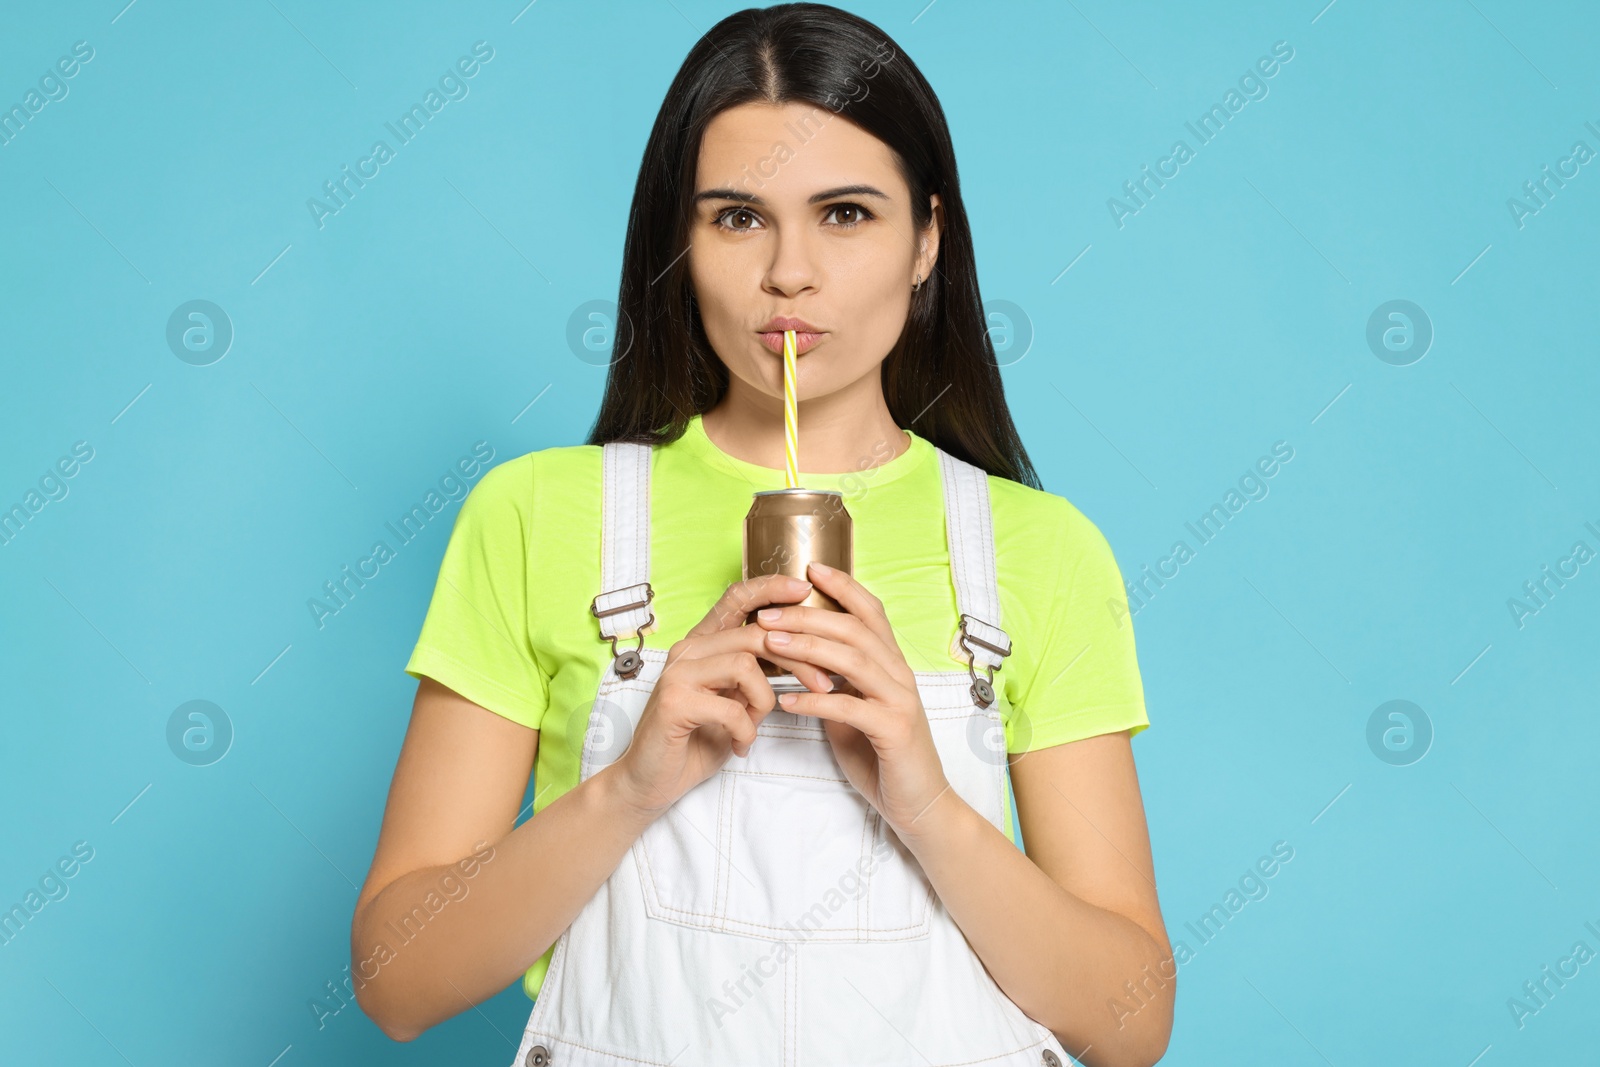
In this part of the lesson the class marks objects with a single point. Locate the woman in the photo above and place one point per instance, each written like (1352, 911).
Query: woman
(711, 875)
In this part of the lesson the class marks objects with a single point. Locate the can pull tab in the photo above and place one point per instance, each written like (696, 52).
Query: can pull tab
(982, 689)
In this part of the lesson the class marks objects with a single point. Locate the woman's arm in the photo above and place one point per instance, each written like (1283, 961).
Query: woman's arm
(1069, 928)
(458, 783)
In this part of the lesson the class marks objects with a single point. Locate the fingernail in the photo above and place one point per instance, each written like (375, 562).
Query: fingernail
(769, 614)
(799, 583)
(822, 568)
(778, 637)
(787, 699)
(827, 684)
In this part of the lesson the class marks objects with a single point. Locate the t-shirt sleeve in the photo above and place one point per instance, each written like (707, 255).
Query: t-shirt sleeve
(474, 637)
(1086, 681)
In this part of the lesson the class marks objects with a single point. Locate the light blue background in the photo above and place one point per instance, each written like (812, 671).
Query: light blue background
(1228, 314)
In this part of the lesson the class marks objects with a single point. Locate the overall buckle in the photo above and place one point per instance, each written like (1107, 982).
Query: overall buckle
(982, 689)
(627, 663)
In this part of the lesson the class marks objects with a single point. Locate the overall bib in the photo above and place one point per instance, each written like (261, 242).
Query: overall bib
(769, 916)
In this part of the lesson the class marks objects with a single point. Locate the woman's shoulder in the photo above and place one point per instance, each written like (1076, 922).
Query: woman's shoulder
(1045, 546)
(544, 506)
(1052, 562)
(1040, 520)
(544, 473)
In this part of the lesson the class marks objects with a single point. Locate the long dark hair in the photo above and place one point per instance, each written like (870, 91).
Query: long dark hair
(941, 379)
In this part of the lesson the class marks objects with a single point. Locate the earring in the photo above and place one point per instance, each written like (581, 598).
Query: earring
(918, 284)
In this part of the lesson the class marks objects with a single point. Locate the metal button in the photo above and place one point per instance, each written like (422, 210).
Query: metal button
(1050, 1059)
(539, 1056)
(628, 663)
(982, 692)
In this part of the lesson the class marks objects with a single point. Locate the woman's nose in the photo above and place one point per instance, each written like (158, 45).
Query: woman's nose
(793, 265)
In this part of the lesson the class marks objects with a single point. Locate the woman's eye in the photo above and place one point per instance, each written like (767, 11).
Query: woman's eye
(859, 213)
(742, 219)
(733, 212)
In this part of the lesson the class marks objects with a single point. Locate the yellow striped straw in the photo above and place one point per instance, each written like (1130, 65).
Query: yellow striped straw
(791, 418)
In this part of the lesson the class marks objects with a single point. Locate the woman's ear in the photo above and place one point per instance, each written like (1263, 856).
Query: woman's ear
(928, 247)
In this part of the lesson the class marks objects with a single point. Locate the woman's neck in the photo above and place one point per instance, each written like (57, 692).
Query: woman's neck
(837, 433)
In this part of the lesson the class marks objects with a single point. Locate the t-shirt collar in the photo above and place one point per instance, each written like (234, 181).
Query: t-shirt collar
(697, 443)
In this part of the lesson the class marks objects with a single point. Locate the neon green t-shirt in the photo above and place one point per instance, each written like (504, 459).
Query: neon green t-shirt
(509, 626)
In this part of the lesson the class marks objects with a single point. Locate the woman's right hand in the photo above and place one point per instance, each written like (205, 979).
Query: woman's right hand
(709, 700)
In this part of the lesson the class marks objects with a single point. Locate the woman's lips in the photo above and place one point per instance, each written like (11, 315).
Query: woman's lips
(802, 341)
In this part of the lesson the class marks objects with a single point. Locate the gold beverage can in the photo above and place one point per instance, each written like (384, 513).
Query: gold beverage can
(784, 530)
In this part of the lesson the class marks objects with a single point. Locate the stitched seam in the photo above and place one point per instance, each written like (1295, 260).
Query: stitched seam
(969, 583)
(959, 484)
(641, 504)
(724, 922)
(789, 991)
(822, 931)
(557, 1039)
(794, 1038)
(788, 774)
(864, 901)
(605, 512)
(957, 540)
(980, 500)
(541, 1006)
(586, 763)
(986, 522)
(827, 933)
(720, 890)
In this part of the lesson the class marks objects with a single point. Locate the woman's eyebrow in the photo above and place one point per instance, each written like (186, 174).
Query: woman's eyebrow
(817, 198)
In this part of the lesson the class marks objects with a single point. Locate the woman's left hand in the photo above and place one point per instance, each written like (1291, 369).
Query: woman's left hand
(876, 725)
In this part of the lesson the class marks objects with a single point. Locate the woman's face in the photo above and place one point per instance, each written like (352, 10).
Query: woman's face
(801, 214)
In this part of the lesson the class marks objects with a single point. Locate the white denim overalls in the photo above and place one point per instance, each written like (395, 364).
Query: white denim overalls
(770, 916)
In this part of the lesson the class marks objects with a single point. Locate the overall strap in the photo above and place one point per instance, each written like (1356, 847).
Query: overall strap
(623, 605)
(969, 531)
